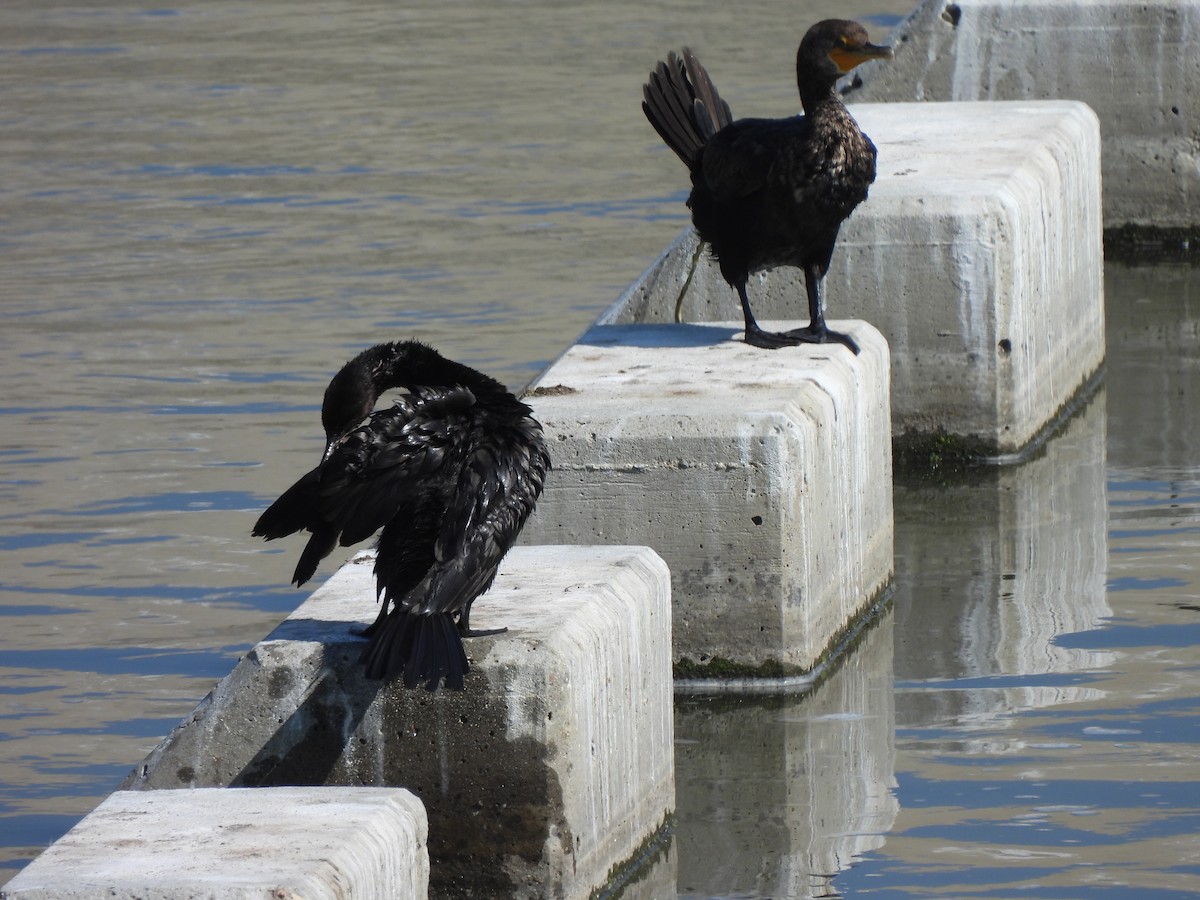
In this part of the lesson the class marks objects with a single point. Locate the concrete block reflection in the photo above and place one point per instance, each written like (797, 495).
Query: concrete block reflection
(776, 794)
(990, 573)
(1158, 316)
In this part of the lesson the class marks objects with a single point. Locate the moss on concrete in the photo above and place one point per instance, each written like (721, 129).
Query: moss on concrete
(726, 669)
(944, 458)
(938, 453)
(629, 872)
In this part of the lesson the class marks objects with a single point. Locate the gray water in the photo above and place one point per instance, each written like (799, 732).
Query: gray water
(208, 207)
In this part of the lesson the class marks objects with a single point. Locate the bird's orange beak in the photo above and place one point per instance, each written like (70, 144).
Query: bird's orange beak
(847, 58)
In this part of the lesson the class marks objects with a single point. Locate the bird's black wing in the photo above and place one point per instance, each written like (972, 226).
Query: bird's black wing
(295, 509)
(392, 461)
(498, 485)
(751, 154)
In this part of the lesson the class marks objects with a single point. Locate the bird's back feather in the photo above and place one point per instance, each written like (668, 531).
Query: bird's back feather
(449, 473)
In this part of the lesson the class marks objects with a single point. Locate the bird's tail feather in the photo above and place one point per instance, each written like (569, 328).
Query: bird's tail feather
(683, 105)
(418, 648)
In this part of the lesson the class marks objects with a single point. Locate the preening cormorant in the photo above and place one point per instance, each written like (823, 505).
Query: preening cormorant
(450, 473)
(771, 192)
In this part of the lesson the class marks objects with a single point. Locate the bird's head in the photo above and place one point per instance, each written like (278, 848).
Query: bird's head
(352, 392)
(836, 46)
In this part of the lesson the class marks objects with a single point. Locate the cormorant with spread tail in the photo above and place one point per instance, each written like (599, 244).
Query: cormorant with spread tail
(772, 192)
(450, 473)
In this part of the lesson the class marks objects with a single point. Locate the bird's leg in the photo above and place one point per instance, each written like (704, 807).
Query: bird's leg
(465, 630)
(374, 626)
(755, 336)
(816, 332)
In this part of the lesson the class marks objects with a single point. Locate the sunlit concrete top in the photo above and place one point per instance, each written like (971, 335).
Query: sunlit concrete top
(311, 842)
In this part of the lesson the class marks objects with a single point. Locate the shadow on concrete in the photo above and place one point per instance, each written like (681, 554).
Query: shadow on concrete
(669, 335)
(308, 746)
(299, 712)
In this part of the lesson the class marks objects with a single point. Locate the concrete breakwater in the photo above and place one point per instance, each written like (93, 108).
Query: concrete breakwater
(551, 769)
(556, 766)
(763, 480)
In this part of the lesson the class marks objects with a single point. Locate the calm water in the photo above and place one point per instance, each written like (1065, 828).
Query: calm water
(208, 207)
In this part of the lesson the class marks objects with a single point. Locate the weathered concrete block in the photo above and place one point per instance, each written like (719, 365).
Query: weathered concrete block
(981, 261)
(553, 766)
(763, 478)
(1137, 64)
(346, 843)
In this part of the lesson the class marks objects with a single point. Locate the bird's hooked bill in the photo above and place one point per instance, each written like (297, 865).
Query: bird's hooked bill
(847, 58)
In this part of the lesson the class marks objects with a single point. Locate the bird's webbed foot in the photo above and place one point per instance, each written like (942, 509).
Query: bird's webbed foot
(465, 630)
(769, 340)
(810, 335)
(480, 632)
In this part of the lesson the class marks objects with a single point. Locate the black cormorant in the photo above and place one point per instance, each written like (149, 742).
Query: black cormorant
(450, 473)
(772, 192)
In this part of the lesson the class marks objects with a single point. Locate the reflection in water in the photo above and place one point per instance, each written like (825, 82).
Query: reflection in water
(777, 794)
(1047, 724)
(785, 797)
(1053, 752)
(990, 573)
(1154, 347)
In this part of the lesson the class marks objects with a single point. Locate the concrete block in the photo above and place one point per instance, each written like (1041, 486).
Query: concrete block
(981, 261)
(287, 842)
(763, 478)
(549, 771)
(1135, 62)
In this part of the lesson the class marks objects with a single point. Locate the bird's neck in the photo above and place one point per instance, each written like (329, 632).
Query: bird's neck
(816, 96)
(817, 82)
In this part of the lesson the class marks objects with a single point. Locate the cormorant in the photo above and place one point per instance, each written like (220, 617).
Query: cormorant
(771, 192)
(450, 473)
